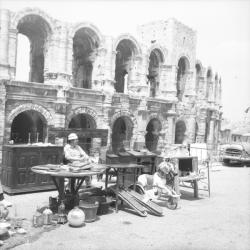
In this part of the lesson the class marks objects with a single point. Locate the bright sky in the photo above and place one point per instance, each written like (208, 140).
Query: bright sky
(223, 33)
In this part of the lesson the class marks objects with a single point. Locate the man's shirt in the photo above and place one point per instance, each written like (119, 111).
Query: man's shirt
(74, 152)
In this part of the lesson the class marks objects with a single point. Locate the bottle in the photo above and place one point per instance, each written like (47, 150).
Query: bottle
(47, 216)
(62, 217)
(37, 219)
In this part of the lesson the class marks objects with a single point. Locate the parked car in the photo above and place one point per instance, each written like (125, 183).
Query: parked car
(236, 153)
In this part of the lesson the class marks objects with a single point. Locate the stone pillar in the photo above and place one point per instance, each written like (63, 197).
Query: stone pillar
(170, 127)
(171, 78)
(56, 71)
(163, 82)
(108, 67)
(69, 57)
(189, 85)
(201, 126)
(2, 115)
(12, 52)
(4, 43)
(202, 89)
(210, 139)
(98, 69)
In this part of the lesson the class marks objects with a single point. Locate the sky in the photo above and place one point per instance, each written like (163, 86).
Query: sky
(223, 33)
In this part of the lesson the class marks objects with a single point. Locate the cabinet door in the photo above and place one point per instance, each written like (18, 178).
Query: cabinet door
(26, 160)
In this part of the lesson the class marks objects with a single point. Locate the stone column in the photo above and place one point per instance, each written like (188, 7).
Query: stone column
(98, 69)
(171, 78)
(210, 140)
(12, 52)
(170, 128)
(163, 82)
(2, 115)
(189, 85)
(4, 43)
(202, 89)
(108, 67)
(201, 126)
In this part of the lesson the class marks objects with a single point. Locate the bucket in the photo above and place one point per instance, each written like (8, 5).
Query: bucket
(104, 203)
(90, 210)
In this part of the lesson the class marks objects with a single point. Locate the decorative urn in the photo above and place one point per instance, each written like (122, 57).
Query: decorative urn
(76, 217)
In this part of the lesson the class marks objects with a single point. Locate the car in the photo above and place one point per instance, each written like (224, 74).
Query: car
(236, 153)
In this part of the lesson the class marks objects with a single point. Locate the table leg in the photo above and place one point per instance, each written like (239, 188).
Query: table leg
(72, 185)
(79, 184)
(135, 173)
(196, 193)
(61, 188)
(106, 178)
(116, 192)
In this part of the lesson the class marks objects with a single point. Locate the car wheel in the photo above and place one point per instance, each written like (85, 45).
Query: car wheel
(226, 161)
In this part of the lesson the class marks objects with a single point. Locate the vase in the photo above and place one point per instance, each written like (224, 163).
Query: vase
(76, 217)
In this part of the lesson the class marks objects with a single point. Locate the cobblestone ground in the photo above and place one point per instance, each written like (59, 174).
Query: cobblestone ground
(219, 222)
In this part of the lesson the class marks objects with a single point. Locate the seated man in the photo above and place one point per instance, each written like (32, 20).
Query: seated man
(73, 153)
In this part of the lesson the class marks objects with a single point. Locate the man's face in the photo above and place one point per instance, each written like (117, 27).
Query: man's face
(74, 142)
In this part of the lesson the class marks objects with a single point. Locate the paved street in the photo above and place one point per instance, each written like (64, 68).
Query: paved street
(219, 222)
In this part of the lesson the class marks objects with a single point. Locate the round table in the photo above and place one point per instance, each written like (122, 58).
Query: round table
(58, 176)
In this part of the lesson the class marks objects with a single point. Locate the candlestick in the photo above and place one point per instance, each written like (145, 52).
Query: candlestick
(29, 139)
(37, 136)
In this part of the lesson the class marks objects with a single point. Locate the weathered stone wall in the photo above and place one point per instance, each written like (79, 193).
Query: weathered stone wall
(58, 100)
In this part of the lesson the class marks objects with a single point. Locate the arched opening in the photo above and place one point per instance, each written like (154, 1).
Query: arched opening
(28, 127)
(155, 61)
(216, 88)
(23, 58)
(121, 133)
(125, 52)
(85, 44)
(180, 129)
(152, 136)
(198, 74)
(37, 30)
(83, 121)
(209, 79)
(183, 68)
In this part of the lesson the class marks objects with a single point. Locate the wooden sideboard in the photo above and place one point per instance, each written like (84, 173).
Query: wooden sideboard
(17, 161)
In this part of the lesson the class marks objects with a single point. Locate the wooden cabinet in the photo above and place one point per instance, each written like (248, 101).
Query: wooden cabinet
(17, 176)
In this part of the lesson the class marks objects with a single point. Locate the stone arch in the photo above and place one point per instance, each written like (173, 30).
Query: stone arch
(183, 66)
(123, 126)
(180, 130)
(33, 11)
(86, 40)
(127, 36)
(198, 62)
(183, 55)
(30, 106)
(163, 51)
(92, 114)
(38, 27)
(156, 59)
(124, 113)
(209, 73)
(88, 25)
(155, 116)
(153, 135)
(127, 57)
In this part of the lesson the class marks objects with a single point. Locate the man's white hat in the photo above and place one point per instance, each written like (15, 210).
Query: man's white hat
(72, 136)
